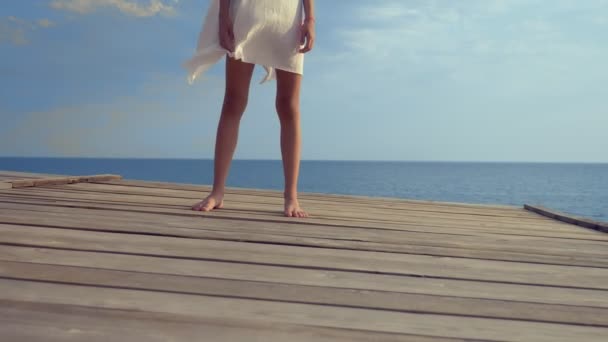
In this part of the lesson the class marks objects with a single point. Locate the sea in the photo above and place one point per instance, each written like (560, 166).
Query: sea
(574, 188)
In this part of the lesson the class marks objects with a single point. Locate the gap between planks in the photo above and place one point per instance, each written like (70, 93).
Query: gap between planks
(292, 293)
(483, 247)
(285, 275)
(56, 194)
(91, 202)
(291, 313)
(411, 265)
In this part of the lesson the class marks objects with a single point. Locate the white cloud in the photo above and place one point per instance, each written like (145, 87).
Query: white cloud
(15, 30)
(479, 33)
(45, 23)
(11, 34)
(478, 57)
(385, 11)
(129, 7)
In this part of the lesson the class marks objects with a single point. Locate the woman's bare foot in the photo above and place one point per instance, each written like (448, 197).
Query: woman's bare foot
(213, 201)
(292, 208)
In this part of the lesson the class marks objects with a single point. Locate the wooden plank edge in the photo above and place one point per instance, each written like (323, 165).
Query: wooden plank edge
(576, 220)
(24, 183)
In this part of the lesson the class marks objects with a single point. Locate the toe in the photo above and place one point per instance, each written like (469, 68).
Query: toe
(208, 205)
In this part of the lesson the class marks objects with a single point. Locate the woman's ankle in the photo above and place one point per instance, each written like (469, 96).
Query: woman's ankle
(290, 195)
(217, 192)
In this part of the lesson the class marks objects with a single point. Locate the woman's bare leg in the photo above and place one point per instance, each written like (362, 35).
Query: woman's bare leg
(288, 109)
(238, 78)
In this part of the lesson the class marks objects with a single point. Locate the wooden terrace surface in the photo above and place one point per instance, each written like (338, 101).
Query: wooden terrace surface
(104, 259)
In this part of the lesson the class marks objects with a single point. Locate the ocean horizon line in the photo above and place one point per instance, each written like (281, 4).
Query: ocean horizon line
(319, 160)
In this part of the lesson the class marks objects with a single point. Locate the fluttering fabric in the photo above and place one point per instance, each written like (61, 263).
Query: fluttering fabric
(266, 32)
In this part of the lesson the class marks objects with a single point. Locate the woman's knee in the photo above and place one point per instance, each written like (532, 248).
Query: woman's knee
(287, 107)
(235, 101)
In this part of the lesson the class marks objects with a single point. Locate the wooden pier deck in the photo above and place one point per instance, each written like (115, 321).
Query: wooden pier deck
(102, 259)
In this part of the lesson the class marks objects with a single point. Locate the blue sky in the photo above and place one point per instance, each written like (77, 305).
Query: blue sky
(471, 80)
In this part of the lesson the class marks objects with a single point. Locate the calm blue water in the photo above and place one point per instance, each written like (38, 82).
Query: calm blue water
(580, 189)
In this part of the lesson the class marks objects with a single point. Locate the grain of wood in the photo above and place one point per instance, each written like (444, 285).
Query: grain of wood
(59, 195)
(581, 253)
(124, 221)
(33, 199)
(334, 197)
(320, 208)
(379, 300)
(289, 313)
(27, 321)
(307, 257)
(261, 196)
(309, 277)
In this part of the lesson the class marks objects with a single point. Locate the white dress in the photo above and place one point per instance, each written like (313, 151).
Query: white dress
(266, 32)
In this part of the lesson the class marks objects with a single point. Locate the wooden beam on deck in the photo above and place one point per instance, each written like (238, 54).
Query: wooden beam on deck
(24, 183)
(579, 221)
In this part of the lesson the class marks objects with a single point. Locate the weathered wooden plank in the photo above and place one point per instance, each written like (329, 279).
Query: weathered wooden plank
(548, 251)
(320, 209)
(579, 221)
(307, 257)
(460, 221)
(333, 197)
(253, 199)
(23, 212)
(28, 321)
(184, 211)
(159, 224)
(5, 185)
(260, 197)
(290, 313)
(309, 277)
(367, 215)
(380, 300)
(61, 180)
